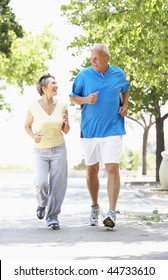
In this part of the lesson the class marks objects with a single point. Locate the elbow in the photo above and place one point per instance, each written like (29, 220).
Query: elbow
(66, 130)
(72, 100)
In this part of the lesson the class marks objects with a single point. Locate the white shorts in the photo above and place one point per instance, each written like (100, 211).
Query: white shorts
(105, 150)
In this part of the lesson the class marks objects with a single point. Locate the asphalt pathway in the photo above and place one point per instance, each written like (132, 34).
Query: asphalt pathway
(139, 233)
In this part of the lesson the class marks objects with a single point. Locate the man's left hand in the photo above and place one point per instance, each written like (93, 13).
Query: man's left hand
(123, 111)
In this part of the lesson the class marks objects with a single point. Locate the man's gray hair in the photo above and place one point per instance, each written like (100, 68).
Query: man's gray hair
(102, 47)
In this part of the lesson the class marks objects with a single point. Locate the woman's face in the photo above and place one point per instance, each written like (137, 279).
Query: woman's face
(52, 87)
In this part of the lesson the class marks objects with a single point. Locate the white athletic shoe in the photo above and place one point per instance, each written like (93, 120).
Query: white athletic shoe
(110, 219)
(94, 217)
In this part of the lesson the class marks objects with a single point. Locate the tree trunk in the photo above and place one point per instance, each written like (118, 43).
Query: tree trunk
(146, 126)
(144, 151)
(159, 141)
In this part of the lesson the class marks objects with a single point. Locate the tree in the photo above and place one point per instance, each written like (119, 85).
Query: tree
(23, 56)
(137, 35)
(145, 121)
(29, 57)
(9, 28)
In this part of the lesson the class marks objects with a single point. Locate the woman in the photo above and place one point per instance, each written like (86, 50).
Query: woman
(46, 121)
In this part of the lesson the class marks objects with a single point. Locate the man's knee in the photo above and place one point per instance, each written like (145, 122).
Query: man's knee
(92, 170)
(112, 168)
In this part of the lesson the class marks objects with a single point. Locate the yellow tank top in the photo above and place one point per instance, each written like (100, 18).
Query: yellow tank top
(50, 126)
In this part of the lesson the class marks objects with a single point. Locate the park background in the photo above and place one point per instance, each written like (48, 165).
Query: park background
(22, 236)
(15, 144)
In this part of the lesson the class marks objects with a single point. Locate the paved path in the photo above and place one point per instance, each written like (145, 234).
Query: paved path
(22, 236)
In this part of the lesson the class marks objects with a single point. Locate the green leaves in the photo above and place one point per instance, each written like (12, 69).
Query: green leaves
(148, 219)
(29, 58)
(23, 56)
(136, 33)
(9, 28)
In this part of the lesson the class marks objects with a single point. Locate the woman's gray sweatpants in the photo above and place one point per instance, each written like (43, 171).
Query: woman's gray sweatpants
(51, 179)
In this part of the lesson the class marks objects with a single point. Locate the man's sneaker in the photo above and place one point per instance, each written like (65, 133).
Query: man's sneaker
(110, 219)
(94, 217)
(40, 212)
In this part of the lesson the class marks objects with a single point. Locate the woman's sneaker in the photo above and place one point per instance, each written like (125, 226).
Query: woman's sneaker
(110, 219)
(54, 226)
(94, 217)
(40, 212)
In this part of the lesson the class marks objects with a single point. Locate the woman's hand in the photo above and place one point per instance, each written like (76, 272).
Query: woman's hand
(65, 118)
(37, 137)
(65, 127)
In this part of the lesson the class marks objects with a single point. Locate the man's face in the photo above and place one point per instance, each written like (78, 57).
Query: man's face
(99, 60)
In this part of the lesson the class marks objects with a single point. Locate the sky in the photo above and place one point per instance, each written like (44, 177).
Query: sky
(15, 144)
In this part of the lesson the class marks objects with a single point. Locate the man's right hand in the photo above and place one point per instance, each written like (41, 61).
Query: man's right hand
(92, 98)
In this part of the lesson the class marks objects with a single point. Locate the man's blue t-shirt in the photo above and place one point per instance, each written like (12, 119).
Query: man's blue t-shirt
(101, 119)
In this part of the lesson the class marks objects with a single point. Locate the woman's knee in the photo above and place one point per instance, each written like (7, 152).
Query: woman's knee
(42, 186)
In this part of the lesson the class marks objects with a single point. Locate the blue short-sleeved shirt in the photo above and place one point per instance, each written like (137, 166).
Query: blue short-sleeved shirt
(101, 119)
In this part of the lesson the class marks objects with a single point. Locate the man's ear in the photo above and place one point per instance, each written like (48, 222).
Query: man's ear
(108, 58)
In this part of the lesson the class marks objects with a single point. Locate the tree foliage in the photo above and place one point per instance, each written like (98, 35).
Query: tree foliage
(9, 28)
(29, 57)
(137, 35)
(23, 56)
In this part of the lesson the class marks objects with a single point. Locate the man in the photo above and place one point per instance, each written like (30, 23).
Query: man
(99, 90)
